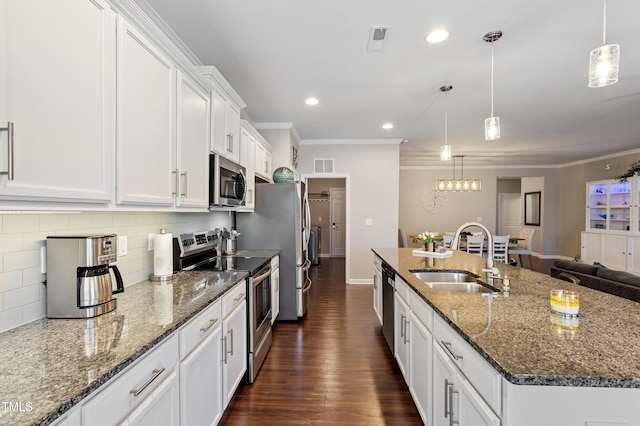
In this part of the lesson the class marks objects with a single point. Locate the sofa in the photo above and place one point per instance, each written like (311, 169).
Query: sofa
(599, 277)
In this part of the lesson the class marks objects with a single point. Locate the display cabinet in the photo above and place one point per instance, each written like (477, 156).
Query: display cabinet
(609, 207)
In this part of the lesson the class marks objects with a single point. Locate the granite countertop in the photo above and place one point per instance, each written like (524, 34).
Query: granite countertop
(524, 341)
(50, 365)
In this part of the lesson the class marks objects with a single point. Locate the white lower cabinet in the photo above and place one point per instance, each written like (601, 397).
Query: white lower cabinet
(201, 368)
(456, 402)
(234, 340)
(420, 366)
(146, 393)
(401, 340)
(377, 287)
(615, 251)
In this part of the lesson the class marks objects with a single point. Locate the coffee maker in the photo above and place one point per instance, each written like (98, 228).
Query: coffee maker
(78, 275)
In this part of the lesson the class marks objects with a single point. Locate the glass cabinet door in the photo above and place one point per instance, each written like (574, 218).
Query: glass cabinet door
(597, 206)
(619, 206)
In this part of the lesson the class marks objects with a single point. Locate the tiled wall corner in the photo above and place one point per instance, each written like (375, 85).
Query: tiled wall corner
(23, 236)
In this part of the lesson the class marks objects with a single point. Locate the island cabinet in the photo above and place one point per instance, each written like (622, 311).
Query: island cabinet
(401, 342)
(62, 147)
(467, 390)
(377, 287)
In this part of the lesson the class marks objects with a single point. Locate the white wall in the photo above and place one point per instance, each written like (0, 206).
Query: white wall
(372, 192)
(22, 294)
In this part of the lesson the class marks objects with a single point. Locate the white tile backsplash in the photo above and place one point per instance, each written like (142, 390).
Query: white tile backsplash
(22, 294)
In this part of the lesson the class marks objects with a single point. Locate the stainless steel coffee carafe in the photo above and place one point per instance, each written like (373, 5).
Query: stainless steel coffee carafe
(79, 283)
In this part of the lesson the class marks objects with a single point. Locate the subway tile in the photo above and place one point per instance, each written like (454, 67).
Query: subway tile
(54, 222)
(121, 219)
(78, 221)
(10, 319)
(35, 240)
(20, 223)
(11, 243)
(103, 220)
(10, 280)
(21, 260)
(21, 296)
(34, 311)
(32, 276)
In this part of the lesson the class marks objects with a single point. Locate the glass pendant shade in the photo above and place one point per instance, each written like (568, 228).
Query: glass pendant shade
(604, 65)
(492, 128)
(445, 152)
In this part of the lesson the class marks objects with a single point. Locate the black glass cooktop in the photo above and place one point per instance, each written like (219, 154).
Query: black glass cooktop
(234, 263)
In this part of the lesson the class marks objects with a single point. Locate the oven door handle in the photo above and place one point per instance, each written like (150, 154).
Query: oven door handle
(257, 280)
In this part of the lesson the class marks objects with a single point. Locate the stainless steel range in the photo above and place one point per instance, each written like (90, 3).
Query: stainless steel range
(197, 251)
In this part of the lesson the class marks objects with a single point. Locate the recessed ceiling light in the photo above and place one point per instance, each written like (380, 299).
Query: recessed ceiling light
(311, 101)
(437, 36)
(387, 126)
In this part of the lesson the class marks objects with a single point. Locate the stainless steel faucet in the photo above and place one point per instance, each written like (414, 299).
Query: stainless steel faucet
(490, 270)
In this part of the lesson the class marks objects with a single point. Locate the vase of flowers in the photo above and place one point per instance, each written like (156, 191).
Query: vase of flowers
(426, 238)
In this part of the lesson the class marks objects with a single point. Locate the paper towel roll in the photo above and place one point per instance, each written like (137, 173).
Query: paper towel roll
(162, 255)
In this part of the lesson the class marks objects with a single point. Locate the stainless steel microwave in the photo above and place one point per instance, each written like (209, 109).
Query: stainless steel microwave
(227, 182)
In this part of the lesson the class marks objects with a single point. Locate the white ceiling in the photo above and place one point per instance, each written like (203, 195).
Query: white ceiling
(276, 53)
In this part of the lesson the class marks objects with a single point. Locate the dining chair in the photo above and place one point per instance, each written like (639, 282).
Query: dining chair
(475, 244)
(447, 240)
(501, 248)
(524, 246)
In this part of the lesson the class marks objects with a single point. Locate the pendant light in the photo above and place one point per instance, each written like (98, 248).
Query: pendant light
(445, 150)
(459, 185)
(492, 124)
(604, 62)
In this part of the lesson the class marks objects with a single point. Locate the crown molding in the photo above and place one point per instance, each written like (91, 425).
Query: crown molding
(351, 141)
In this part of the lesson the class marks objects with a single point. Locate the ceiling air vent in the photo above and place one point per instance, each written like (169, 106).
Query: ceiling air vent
(377, 38)
(323, 165)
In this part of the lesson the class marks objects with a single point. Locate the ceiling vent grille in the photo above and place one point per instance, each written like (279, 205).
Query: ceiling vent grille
(377, 38)
(323, 165)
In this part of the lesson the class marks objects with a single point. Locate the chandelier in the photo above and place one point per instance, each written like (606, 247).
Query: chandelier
(459, 185)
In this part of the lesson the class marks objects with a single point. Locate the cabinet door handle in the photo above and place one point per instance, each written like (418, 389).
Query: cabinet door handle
(239, 297)
(230, 332)
(447, 346)
(452, 391)
(208, 326)
(9, 130)
(230, 142)
(156, 374)
(402, 325)
(184, 193)
(406, 334)
(447, 394)
(224, 349)
(176, 173)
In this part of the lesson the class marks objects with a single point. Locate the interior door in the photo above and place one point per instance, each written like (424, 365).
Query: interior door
(509, 217)
(337, 201)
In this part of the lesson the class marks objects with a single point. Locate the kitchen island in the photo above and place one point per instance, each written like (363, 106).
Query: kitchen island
(544, 362)
(49, 366)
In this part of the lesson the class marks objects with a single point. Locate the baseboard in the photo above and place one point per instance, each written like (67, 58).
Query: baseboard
(360, 281)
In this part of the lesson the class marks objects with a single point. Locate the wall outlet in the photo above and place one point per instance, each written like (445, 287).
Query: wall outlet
(368, 221)
(150, 242)
(478, 219)
(123, 245)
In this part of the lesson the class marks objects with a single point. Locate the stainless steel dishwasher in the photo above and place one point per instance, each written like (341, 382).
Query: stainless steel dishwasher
(388, 287)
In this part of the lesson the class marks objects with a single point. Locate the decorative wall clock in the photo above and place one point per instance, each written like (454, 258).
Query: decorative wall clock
(434, 201)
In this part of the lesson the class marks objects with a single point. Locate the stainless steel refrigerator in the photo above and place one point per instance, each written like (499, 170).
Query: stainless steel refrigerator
(281, 221)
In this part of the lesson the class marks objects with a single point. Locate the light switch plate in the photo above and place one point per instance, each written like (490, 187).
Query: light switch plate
(368, 221)
(123, 245)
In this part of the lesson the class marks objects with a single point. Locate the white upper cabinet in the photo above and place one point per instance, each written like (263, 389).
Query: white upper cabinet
(225, 112)
(146, 121)
(57, 87)
(248, 161)
(193, 144)
(263, 160)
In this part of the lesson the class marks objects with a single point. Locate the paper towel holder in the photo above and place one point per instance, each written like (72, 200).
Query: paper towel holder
(165, 277)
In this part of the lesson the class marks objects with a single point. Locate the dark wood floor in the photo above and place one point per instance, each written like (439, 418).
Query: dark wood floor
(332, 368)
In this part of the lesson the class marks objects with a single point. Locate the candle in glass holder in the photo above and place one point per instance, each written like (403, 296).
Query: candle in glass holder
(564, 301)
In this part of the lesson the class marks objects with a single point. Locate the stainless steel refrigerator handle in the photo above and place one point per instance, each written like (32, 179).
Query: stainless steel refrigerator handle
(306, 265)
(307, 287)
(9, 130)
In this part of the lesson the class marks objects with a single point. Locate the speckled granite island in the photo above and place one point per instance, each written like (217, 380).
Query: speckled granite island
(545, 363)
(48, 366)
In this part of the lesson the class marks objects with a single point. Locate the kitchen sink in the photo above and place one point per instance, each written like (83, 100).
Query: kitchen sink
(458, 282)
